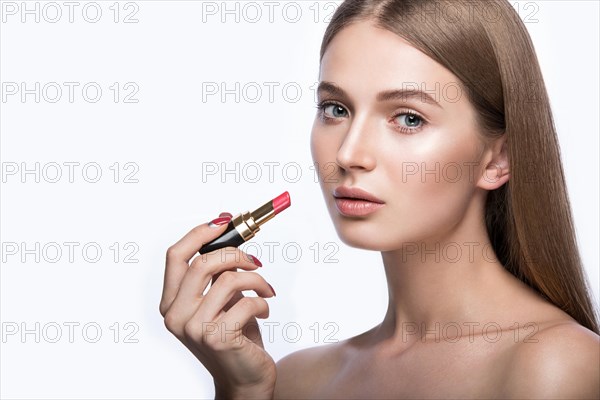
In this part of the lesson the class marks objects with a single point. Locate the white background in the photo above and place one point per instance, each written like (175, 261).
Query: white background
(170, 137)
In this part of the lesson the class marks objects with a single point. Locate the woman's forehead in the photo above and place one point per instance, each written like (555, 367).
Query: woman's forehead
(380, 60)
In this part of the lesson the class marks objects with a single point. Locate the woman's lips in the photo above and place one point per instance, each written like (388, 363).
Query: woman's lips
(356, 207)
(355, 193)
(354, 201)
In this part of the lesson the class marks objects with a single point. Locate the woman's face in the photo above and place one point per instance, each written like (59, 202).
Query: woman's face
(422, 158)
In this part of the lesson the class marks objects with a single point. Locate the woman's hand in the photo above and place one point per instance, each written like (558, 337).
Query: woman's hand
(219, 327)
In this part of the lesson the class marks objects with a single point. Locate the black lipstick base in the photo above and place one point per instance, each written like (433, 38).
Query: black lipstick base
(230, 237)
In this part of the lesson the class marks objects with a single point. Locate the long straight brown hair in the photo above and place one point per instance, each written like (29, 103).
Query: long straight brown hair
(486, 45)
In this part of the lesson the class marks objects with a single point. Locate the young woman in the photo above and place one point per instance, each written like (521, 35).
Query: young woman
(436, 118)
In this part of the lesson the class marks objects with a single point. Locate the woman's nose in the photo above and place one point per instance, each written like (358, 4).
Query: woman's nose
(356, 149)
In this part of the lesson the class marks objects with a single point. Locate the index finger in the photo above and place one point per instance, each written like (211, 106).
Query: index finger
(179, 254)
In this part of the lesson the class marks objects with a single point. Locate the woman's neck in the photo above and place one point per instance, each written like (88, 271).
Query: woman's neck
(451, 279)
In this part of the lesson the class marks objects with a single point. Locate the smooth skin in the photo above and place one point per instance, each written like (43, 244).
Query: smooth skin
(219, 325)
(531, 348)
(537, 350)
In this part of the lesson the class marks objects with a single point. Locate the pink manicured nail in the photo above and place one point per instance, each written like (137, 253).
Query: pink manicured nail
(226, 214)
(219, 221)
(255, 260)
(274, 294)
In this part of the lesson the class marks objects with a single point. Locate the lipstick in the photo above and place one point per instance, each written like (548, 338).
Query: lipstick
(244, 226)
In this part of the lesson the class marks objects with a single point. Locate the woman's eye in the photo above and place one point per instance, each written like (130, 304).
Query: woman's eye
(410, 120)
(334, 111)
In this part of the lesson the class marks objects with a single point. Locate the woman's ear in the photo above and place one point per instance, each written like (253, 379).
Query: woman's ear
(496, 172)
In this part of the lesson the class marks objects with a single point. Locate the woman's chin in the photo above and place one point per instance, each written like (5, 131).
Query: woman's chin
(362, 241)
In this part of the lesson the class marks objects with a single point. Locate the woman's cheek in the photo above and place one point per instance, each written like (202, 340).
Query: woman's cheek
(324, 158)
(428, 193)
(324, 152)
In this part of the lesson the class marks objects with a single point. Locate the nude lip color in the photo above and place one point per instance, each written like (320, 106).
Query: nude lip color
(244, 226)
(355, 202)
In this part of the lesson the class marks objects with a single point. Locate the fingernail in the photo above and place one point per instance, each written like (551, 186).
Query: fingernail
(219, 221)
(226, 214)
(256, 260)
(274, 294)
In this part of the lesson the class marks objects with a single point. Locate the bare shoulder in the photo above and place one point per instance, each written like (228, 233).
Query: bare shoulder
(301, 373)
(559, 361)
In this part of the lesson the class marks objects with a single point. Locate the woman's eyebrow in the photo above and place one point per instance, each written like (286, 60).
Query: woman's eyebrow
(387, 95)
